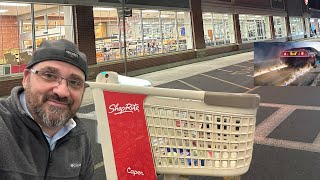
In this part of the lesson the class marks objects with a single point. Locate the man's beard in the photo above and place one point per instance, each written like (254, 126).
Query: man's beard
(56, 117)
(51, 116)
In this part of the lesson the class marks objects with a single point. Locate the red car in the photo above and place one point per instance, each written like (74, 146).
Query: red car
(298, 57)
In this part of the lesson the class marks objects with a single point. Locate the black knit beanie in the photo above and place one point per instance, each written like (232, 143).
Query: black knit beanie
(60, 50)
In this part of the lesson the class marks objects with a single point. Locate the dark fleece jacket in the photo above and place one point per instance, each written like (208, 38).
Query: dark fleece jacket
(25, 152)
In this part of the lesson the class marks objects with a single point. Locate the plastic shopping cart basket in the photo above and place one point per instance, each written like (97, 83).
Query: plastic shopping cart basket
(188, 132)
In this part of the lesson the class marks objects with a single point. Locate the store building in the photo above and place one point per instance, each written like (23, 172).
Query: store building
(314, 10)
(236, 24)
(298, 19)
(157, 33)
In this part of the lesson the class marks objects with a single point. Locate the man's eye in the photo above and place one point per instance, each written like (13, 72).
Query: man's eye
(49, 76)
(74, 83)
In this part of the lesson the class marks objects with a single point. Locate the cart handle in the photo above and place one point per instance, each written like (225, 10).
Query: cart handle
(240, 100)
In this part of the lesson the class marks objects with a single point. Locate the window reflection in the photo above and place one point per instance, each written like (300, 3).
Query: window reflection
(148, 32)
(218, 29)
(254, 28)
(50, 22)
(279, 26)
(296, 26)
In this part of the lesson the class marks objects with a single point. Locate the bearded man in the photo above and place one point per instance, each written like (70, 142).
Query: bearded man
(40, 134)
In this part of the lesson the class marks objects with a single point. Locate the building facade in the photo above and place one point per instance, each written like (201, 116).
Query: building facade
(157, 33)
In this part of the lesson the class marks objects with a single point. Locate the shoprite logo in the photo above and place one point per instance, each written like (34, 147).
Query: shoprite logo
(128, 108)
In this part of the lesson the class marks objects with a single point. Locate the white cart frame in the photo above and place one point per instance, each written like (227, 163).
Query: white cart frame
(190, 132)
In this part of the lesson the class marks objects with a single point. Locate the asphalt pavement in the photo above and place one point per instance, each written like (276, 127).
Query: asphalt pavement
(287, 140)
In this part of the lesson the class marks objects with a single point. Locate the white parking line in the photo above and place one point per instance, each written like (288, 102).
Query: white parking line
(225, 81)
(99, 165)
(194, 87)
(288, 144)
(317, 108)
(225, 70)
(250, 90)
(269, 124)
(91, 115)
(317, 140)
(240, 66)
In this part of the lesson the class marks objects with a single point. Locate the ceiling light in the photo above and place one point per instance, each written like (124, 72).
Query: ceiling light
(180, 12)
(27, 23)
(150, 11)
(3, 10)
(164, 15)
(103, 9)
(14, 4)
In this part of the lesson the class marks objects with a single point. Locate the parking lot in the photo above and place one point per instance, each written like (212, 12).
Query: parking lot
(287, 140)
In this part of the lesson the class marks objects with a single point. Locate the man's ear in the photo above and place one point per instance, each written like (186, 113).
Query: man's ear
(26, 76)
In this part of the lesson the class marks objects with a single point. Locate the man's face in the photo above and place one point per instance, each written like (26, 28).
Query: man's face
(52, 103)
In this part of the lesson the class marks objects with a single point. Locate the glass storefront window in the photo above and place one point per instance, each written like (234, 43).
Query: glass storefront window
(134, 34)
(184, 30)
(152, 32)
(14, 26)
(254, 28)
(218, 29)
(52, 22)
(314, 26)
(16, 29)
(148, 32)
(169, 31)
(107, 34)
(296, 26)
(279, 26)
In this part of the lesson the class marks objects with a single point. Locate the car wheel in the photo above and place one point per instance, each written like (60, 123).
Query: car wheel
(313, 62)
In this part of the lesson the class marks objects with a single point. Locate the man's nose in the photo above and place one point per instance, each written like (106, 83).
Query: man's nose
(62, 89)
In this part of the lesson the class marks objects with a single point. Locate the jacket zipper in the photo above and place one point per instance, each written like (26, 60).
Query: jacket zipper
(50, 152)
(47, 166)
(49, 157)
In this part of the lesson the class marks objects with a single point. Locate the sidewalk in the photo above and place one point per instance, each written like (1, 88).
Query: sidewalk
(168, 75)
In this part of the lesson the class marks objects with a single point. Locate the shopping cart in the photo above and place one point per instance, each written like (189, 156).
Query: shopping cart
(182, 132)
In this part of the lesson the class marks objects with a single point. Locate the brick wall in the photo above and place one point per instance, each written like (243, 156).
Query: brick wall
(7, 85)
(9, 33)
(147, 62)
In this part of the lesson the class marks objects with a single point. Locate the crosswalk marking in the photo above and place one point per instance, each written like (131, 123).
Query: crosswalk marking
(269, 124)
(288, 144)
(317, 108)
(263, 129)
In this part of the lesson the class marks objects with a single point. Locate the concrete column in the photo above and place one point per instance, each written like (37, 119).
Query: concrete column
(288, 28)
(237, 31)
(304, 27)
(84, 31)
(316, 25)
(197, 24)
(272, 31)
